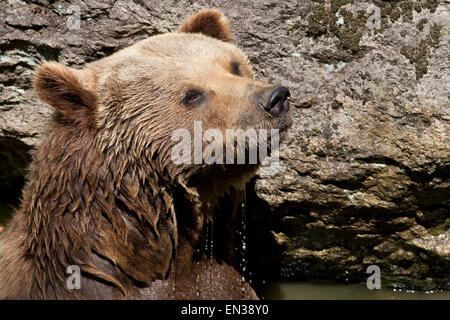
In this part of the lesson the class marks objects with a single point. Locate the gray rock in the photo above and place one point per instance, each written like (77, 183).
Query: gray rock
(364, 176)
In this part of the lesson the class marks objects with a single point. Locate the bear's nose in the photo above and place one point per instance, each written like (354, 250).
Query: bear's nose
(278, 103)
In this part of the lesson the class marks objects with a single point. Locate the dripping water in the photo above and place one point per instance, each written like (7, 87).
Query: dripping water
(211, 245)
(197, 278)
(174, 287)
(242, 240)
(208, 250)
(203, 257)
(211, 252)
(207, 245)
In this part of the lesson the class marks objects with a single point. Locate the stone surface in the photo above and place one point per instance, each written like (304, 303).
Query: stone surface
(364, 176)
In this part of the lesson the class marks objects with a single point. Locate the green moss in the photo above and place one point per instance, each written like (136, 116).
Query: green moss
(396, 9)
(407, 8)
(435, 35)
(336, 104)
(337, 4)
(421, 24)
(323, 21)
(431, 5)
(318, 20)
(440, 229)
(418, 55)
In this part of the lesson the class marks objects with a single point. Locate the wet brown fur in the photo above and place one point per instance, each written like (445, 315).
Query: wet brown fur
(102, 192)
(209, 22)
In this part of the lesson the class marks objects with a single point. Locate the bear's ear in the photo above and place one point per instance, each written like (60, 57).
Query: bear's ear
(67, 90)
(209, 22)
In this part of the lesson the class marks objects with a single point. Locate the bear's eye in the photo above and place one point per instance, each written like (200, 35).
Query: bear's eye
(193, 96)
(235, 68)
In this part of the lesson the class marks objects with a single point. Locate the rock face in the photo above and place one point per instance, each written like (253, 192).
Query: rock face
(364, 176)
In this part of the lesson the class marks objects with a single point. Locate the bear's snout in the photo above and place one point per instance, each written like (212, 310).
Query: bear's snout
(277, 101)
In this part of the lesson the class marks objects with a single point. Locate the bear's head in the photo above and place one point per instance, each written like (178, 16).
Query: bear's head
(154, 99)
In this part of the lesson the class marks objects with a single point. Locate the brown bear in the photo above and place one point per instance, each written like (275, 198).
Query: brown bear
(104, 194)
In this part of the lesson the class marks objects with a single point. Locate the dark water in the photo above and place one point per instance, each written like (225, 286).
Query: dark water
(329, 290)
(5, 214)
